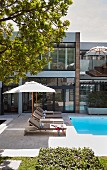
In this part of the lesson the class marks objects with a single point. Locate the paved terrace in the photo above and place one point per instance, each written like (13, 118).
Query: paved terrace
(14, 143)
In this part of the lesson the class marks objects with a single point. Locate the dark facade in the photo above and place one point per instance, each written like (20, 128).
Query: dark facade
(62, 74)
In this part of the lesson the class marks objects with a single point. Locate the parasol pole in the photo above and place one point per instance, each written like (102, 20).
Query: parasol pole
(32, 104)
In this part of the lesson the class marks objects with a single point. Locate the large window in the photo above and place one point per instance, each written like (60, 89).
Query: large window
(10, 101)
(61, 100)
(63, 57)
(58, 59)
(69, 100)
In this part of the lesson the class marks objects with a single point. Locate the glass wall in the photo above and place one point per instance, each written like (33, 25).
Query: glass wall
(69, 100)
(93, 62)
(59, 100)
(62, 100)
(63, 57)
(10, 101)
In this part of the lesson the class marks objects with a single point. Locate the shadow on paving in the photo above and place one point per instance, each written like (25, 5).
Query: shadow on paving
(13, 136)
(1, 151)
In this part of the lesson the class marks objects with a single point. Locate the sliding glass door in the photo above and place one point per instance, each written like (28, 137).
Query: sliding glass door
(62, 100)
(69, 100)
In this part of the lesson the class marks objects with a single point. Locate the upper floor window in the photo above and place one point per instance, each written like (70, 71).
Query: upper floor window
(63, 57)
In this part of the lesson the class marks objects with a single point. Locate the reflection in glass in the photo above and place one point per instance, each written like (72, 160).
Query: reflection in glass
(62, 100)
(10, 101)
(59, 100)
(69, 100)
(27, 102)
(48, 101)
(65, 81)
(63, 59)
(70, 58)
(52, 81)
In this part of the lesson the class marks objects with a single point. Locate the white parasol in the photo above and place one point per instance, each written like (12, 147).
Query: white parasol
(31, 87)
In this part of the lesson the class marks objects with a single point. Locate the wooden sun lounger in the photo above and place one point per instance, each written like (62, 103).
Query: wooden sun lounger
(53, 121)
(48, 120)
(48, 112)
(50, 129)
(48, 116)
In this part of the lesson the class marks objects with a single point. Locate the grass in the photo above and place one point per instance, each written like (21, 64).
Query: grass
(103, 160)
(29, 163)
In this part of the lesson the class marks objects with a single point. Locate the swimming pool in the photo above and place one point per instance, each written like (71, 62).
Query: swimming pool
(90, 125)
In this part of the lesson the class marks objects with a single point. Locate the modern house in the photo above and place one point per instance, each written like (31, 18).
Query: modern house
(69, 73)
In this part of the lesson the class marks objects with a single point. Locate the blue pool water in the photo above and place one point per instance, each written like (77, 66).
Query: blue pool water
(90, 125)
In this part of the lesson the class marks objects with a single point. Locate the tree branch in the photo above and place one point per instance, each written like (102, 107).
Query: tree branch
(15, 15)
(7, 6)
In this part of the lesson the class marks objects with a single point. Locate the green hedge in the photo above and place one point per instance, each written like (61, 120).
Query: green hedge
(67, 159)
(97, 99)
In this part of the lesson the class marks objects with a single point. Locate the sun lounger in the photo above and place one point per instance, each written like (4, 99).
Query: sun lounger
(59, 129)
(47, 116)
(48, 112)
(48, 120)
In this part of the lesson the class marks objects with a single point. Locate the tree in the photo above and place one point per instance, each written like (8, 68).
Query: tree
(40, 26)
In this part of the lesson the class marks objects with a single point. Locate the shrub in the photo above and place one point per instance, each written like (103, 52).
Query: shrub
(67, 159)
(97, 99)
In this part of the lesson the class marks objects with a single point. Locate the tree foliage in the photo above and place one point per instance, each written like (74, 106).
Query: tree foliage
(40, 25)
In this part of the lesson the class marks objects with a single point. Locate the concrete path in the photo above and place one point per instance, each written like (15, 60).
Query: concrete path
(19, 152)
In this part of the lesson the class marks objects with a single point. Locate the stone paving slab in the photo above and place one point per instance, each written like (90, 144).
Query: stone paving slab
(19, 152)
(10, 165)
(15, 139)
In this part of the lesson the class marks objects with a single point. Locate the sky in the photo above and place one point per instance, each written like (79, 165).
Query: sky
(89, 17)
